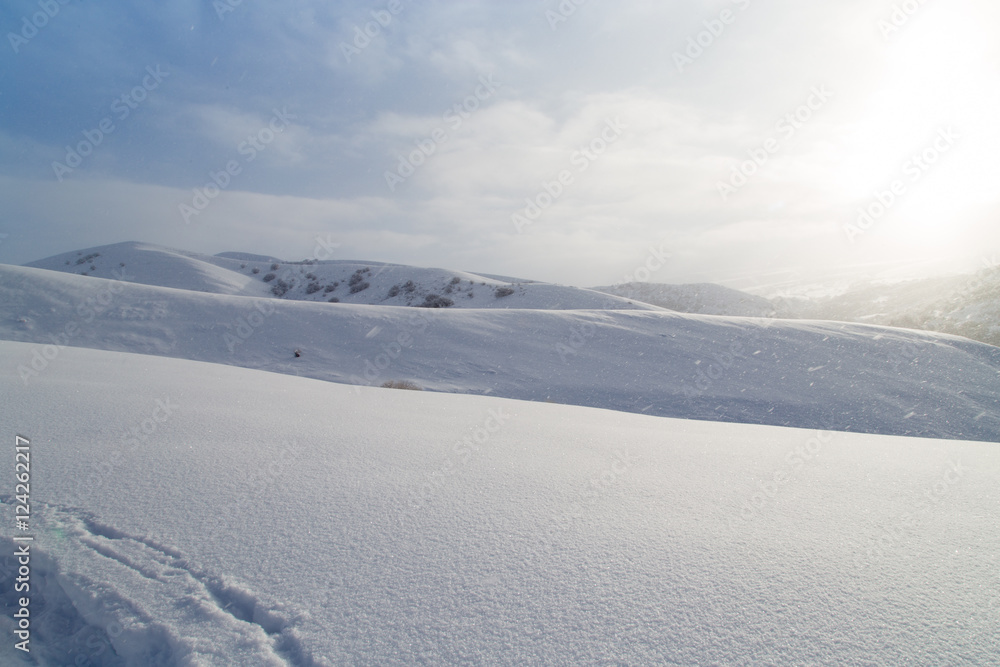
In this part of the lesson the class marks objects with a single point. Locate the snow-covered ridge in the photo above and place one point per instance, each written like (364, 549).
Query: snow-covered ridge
(337, 281)
(836, 376)
(703, 298)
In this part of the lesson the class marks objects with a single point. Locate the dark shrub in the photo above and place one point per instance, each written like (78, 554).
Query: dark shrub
(394, 291)
(408, 287)
(359, 288)
(275, 266)
(255, 270)
(436, 301)
(269, 277)
(334, 299)
(281, 287)
(329, 288)
(504, 291)
(313, 288)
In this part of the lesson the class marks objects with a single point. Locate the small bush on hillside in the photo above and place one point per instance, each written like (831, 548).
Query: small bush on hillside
(275, 266)
(394, 291)
(360, 287)
(456, 280)
(409, 287)
(334, 299)
(504, 291)
(313, 288)
(401, 384)
(281, 287)
(255, 270)
(329, 288)
(269, 277)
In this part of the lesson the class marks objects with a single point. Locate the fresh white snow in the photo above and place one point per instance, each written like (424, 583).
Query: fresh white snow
(585, 481)
(198, 514)
(838, 376)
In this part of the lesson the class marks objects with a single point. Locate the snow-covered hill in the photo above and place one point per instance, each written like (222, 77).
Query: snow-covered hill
(843, 377)
(196, 514)
(964, 305)
(702, 298)
(344, 281)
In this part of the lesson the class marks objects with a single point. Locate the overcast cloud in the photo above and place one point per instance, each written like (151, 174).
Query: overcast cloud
(563, 141)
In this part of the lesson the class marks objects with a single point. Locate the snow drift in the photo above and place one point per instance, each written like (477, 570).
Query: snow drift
(193, 513)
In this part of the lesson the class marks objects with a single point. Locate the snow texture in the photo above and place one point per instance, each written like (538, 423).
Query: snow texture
(198, 514)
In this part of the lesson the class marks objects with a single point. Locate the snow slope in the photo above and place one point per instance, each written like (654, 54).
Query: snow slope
(153, 265)
(197, 514)
(843, 377)
(344, 281)
(701, 298)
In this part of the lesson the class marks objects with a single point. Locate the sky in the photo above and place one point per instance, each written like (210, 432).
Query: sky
(753, 143)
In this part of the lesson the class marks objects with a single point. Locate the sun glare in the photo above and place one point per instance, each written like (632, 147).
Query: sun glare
(924, 151)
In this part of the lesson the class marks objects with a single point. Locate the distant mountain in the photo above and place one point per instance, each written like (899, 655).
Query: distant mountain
(964, 305)
(336, 281)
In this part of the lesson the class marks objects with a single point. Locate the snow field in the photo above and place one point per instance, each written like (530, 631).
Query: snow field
(553, 533)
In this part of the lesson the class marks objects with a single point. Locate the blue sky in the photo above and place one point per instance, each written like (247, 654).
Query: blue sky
(565, 141)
